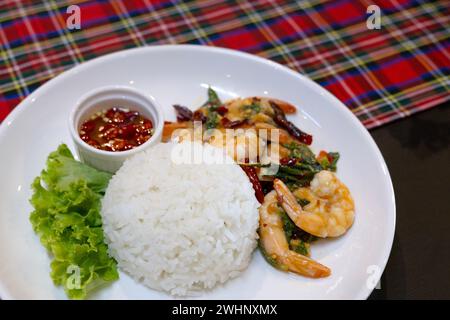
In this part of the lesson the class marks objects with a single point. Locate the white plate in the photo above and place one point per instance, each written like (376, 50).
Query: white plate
(181, 74)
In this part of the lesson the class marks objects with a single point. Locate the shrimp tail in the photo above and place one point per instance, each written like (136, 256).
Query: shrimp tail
(288, 201)
(305, 266)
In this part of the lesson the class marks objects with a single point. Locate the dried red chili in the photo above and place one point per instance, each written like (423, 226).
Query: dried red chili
(199, 116)
(280, 119)
(253, 177)
(288, 161)
(227, 123)
(222, 110)
(183, 113)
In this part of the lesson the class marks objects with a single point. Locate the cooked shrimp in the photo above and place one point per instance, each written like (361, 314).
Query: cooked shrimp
(171, 127)
(275, 245)
(243, 145)
(330, 211)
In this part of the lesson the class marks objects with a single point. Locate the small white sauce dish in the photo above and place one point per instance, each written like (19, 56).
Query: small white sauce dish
(102, 99)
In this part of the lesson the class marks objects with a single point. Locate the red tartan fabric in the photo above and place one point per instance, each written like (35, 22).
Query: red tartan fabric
(380, 74)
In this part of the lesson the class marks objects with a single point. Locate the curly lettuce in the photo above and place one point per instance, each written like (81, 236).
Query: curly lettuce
(66, 200)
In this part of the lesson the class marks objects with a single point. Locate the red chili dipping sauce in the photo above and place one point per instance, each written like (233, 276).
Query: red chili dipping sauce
(116, 129)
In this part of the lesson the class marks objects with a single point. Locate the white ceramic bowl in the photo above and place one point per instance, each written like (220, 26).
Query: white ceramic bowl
(105, 98)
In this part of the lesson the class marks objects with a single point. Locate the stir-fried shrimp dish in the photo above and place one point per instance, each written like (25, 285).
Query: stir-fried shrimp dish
(185, 215)
(302, 199)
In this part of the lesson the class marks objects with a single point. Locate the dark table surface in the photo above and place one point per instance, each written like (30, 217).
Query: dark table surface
(417, 153)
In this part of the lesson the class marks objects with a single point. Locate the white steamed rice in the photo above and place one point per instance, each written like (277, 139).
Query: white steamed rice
(180, 228)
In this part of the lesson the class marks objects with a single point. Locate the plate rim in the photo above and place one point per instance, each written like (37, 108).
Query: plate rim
(365, 291)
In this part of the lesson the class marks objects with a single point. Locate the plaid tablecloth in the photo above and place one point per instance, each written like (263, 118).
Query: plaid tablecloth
(380, 74)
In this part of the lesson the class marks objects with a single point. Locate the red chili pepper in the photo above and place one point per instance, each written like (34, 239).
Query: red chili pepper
(199, 116)
(288, 161)
(183, 113)
(330, 158)
(253, 177)
(115, 115)
(323, 154)
(225, 121)
(131, 115)
(88, 126)
(222, 110)
(280, 119)
(148, 124)
(127, 131)
(306, 138)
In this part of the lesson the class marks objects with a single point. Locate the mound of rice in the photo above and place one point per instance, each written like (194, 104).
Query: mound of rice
(180, 228)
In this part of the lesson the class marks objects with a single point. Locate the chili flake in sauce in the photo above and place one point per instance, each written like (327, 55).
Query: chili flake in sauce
(116, 129)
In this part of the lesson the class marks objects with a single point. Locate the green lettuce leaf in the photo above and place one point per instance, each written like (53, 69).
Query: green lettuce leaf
(63, 170)
(66, 200)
